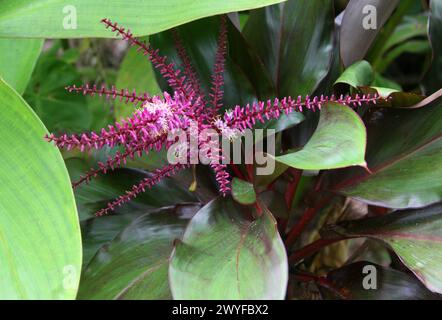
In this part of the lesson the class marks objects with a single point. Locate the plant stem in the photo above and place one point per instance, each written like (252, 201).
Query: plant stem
(306, 217)
(237, 172)
(292, 186)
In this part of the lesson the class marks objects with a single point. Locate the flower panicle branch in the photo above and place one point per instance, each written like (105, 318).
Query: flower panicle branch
(123, 95)
(246, 117)
(141, 187)
(217, 92)
(172, 75)
(146, 124)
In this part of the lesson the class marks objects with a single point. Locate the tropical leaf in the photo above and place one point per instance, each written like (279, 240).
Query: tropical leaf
(134, 265)
(80, 18)
(361, 23)
(339, 141)
(39, 230)
(415, 235)
(17, 61)
(224, 254)
(404, 162)
(295, 42)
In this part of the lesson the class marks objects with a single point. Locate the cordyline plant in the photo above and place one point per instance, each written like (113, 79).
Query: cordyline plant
(148, 128)
(288, 227)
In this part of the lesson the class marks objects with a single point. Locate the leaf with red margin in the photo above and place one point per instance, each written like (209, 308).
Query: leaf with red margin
(404, 154)
(226, 255)
(415, 235)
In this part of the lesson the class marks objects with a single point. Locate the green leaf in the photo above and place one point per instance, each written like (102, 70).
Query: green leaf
(433, 79)
(358, 74)
(224, 255)
(243, 191)
(17, 61)
(295, 42)
(81, 18)
(405, 162)
(59, 110)
(40, 249)
(360, 27)
(390, 284)
(134, 265)
(415, 235)
(339, 141)
(135, 72)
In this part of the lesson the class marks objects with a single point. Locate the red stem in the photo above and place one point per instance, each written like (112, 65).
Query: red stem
(237, 171)
(292, 186)
(306, 217)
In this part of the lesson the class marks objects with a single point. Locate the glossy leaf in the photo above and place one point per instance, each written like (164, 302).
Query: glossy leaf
(41, 245)
(433, 79)
(243, 191)
(358, 74)
(405, 162)
(134, 265)
(226, 255)
(17, 61)
(415, 235)
(294, 40)
(390, 284)
(339, 141)
(361, 23)
(80, 18)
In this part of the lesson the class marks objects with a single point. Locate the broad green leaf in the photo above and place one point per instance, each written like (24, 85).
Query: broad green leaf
(135, 73)
(358, 74)
(415, 235)
(339, 141)
(134, 265)
(243, 191)
(390, 284)
(59, 110)
(361, 23)
(17, 61)
(81, 18)
(404, 154)
(225, 255)
(245, 79)
(40, 249)
(295, 41)
(433, 79)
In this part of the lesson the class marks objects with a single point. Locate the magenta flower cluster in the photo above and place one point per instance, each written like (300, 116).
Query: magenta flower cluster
(155, 117)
